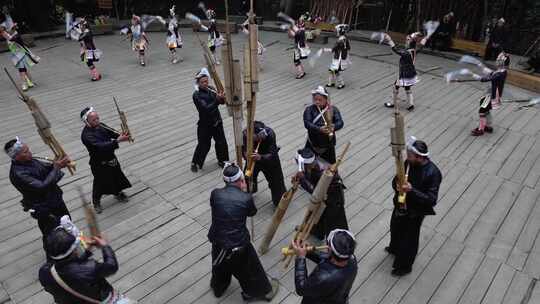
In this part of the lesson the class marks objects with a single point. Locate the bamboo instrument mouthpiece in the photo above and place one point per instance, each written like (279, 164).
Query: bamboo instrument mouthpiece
(286, 251)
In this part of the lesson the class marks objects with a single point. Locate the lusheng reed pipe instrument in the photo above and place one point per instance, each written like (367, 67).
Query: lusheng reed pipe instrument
(251, 168)
(327, 119)
(89, 214)
(397, 142)
(281, 209)
(286, 251)
(50, 160)
(317, 204)
(106, 127)
(123, 121)
(43, 126)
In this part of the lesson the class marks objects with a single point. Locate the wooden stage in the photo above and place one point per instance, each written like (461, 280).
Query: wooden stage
(483, 246)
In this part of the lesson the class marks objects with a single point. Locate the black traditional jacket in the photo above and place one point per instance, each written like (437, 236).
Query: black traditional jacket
(313, 122)
(206, 101)
(327, 283)
(38, 184)
(425, 180)
(100, 143)
(230, 208)
(83, 274)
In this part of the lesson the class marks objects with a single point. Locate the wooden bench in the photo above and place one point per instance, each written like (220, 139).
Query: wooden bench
(326, 27)
(474, 47)
(523, 80)
(478, 48)
(102, 29)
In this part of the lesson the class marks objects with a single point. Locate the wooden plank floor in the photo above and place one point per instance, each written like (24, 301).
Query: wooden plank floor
(483, 245)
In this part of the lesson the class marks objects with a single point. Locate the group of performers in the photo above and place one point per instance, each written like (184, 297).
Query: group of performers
(232, 252)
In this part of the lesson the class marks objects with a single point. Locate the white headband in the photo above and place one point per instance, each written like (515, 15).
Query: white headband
(84, 118)
(231, 179)
(410, 146)
(330, 241)
(69, 251)
(320, 90)
(301, 161)
(15, 149)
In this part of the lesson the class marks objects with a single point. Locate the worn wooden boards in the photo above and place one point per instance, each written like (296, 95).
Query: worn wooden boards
(481, 247)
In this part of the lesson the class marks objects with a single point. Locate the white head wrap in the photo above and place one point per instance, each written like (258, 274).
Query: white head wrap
(330, 240)
(231, 179)
(84, 118)
(304, 161)
(410, 146)
(202, 73)
(73, 246)
(320, 90)
(15, 149)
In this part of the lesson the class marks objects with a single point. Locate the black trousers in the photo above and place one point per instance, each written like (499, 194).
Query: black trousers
(108, 179)
(48, 222)
(274, 176)
(333, 216)
(205, 134)
(245, 266)
(404, 238)
(326, 153)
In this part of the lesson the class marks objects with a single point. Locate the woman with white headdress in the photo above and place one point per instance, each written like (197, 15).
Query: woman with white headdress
(214, 37)
(82, 32)
(407, 71)
(340, 59)
(301, 49)
(139, 41)
(174, 40)
(21, 56)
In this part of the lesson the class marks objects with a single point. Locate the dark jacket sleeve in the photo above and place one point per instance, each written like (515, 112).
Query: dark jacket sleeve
(252, 210)
(54, 176)
(201, 104)
(306, 184)
(338, 121)
(430, 195)
(308, 121)
(271, 137)
(313, 286)
(314, 256)
(109, 265)
(99, 145)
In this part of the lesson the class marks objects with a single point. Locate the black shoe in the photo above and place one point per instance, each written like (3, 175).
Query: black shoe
(389, 250)
(301, 76)
(122, 197)
(410, 108)
(488, 129)
(329, 85)
(98, 208)
(194, 168)
(341, 86)
(399, 272)
(388, 105)
(221, 164)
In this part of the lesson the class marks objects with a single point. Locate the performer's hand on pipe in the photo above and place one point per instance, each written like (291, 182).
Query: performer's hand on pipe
(62, 163)
(123, 137)
(256, 156)
(406, 187)
(299, 248)
(99, 241)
